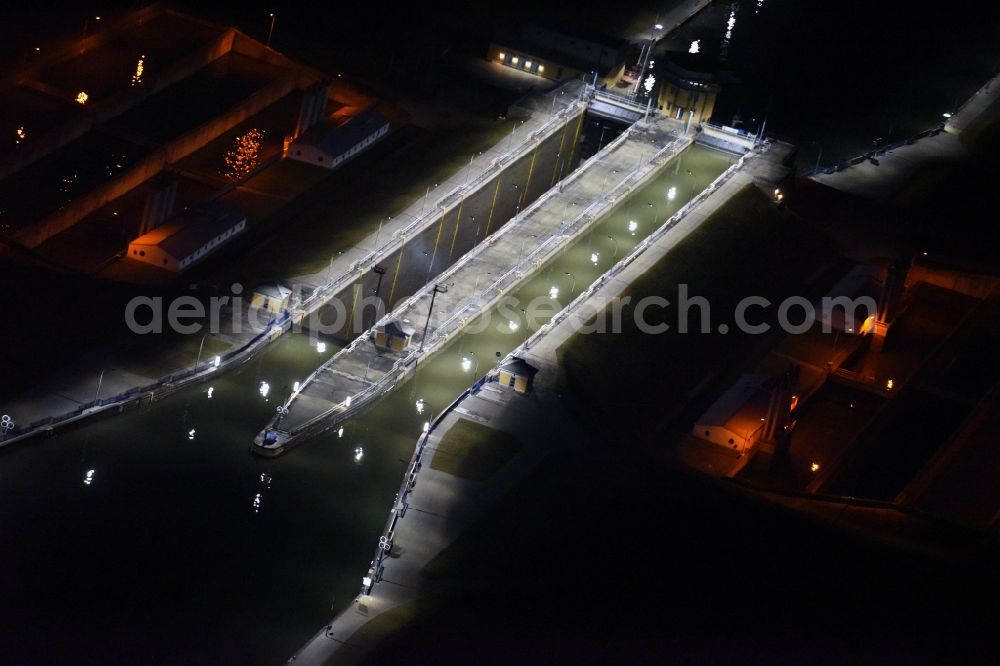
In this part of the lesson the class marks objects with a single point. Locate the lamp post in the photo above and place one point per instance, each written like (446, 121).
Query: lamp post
(378, 232)
(475, 289)
(198, 359)
(566, 208)
(468, 170)
(438, 289)
(329, 270)
(368, 367)
(818, 157)
(100, 381)
(270, 32)
(604, 185)
(378, 270)
(510, 142)
(750, 433)
(427, 192)
(86, 24)
(552, 110)
(521, 253)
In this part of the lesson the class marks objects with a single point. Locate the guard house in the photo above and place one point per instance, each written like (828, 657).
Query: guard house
(395, 335)
(188, 238)
(272, 297)
(517, 374)
(329, 145)
(737, 419)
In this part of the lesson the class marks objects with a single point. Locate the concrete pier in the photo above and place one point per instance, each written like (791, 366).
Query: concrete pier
(421, 242)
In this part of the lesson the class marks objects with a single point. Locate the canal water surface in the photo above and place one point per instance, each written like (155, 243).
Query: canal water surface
(156, 535)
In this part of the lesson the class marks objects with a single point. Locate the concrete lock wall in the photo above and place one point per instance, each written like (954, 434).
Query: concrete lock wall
(719, 137)
(62, 219)
(455, 232)
(101, 111)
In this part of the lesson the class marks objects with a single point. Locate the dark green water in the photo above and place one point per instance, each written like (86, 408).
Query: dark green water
(176, 550)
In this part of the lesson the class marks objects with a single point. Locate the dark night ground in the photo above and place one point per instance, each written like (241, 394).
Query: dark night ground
(602, 556)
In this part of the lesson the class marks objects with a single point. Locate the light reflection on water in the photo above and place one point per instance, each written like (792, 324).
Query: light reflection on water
(278, 544)
(833, 85)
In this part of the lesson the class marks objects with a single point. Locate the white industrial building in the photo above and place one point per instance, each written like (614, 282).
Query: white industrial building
(736, 420)
(188, 238)
(329, 145)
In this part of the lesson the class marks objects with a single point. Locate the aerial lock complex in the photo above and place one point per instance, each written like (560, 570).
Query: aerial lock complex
(470, 335)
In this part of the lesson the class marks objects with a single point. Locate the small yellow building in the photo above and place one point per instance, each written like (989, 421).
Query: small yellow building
(395, 335)
(517, 374)
(272, 297)
(687, 94)
(737, 419)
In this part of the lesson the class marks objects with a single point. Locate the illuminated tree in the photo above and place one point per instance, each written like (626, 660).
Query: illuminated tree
(139, 67)
(244, 155)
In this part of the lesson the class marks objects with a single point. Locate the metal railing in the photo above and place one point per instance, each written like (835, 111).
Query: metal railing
(871, 154)
(625, 261)
(401, 501)
(474, 305)
(440, 208)
(160, 388)
(621, 100)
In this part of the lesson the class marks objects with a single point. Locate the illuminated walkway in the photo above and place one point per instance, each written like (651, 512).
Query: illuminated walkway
(441, 504)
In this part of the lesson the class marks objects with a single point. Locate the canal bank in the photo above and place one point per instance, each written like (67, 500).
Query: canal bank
(540, 148)
(362, 372)
(278, 563)
(881, 174)
(433, 508)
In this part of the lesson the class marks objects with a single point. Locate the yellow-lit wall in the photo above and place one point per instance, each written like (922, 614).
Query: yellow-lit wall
(527, 62)
(521, 384)
(548, 69)
(394, 343)
(673, 97)
(272, 305)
